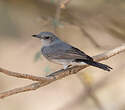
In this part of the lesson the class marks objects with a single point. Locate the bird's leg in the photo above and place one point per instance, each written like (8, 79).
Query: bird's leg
(55, 73)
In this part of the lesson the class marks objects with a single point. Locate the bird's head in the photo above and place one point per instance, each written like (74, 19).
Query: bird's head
(47, 38)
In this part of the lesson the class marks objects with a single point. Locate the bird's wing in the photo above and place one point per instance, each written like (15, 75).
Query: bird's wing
(81, 54)
(68, 52)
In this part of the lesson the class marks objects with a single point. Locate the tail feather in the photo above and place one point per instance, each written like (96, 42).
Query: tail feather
(99, 65)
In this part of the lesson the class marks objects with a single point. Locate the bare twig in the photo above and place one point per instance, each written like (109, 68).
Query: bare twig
(58, 74)
(29, 87)
(21, 75)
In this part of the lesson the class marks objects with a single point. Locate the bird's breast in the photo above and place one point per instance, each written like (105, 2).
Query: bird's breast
(45, 52)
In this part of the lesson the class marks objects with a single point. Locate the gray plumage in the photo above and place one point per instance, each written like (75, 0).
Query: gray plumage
(57, 51)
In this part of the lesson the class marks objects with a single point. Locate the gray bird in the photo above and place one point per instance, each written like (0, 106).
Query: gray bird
(60, 52)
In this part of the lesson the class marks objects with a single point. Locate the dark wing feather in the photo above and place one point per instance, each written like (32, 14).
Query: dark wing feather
(64, 51)
(81, 53)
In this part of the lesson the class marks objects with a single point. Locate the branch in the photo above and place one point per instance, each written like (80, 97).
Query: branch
(57, 75)
(21, 75)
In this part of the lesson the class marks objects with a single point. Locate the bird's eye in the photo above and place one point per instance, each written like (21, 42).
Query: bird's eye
(47, 37)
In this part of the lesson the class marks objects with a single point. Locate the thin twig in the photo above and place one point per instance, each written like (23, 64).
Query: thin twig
(58, 75)
(21, 75)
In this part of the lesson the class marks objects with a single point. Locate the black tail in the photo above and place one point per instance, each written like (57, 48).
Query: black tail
(96, 64)
(99, 65)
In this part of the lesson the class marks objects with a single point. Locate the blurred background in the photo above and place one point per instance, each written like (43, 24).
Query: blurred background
(93, 26)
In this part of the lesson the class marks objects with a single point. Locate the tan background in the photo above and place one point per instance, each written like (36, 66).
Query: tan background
(103, 20)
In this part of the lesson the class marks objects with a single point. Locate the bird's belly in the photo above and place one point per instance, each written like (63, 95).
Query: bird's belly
(61, 61)
(67, 62)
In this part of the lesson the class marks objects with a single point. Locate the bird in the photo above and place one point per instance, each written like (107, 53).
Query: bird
(60, 52)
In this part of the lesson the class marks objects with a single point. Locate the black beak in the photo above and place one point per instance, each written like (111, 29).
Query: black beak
(37, 36)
